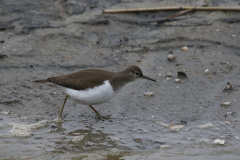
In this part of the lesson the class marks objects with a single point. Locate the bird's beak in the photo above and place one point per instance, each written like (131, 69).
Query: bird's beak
(145, 77)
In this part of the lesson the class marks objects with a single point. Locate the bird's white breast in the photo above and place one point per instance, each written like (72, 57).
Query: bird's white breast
(92, 96)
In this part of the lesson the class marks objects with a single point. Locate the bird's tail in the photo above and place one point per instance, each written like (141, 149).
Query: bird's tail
(41, 81)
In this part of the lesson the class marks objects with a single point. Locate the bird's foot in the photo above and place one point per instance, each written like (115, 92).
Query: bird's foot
(104, 117)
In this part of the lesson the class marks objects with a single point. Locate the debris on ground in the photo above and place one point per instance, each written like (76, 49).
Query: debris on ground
(169, 76)
(165, 147)
(116, 139)
(176, 128)
(6, 112)
(225, 103)
(185, 48)
(125, 38)
(223, 62)
(171, 57)
(177, 80)
(163, 124)
(78, 138)
(225, 122)
(205, 126)
(219, 141)
(228, 87)
(148, 94)
(203, 141)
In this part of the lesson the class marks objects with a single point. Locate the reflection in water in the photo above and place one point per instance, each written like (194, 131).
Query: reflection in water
(84, 139)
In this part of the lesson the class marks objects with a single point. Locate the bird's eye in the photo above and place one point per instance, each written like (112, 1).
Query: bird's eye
(137, 73)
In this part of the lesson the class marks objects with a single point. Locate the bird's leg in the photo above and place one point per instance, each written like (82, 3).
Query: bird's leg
(61, 110)
(99, 115)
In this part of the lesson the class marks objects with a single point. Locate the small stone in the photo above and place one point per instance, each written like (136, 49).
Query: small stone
(116, 139)
(87, 143)
(137, 140)
(78, 138)
(207, 125)
(165, 147)
(177, 80)
(125, 38)
(24, 118)
(176, 128)
(6, 112)
(171, 57)
(148, 94)
(14, 115)
(219, 141)
(225, 103)
(185, 48)
(222, 62)
(203, 141)
(225, 122)
(169, 75)
(162, 124)
(206, 71)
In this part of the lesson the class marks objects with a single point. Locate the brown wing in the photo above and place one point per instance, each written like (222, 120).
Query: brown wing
(83, 79)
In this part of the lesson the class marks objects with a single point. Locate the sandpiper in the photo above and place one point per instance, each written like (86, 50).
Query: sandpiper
(94, 86)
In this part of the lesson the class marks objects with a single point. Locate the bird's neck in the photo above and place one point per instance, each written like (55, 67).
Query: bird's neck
(119, 79)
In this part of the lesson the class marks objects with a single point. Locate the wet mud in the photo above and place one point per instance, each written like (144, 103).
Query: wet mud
(178, 120)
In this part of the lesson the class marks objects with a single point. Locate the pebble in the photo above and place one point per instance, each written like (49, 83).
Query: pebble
(24, 118)
(177, 80)
(203, 141)
(78, 138)
(162, 124)
(148, 94)
(185, 48)
(207, 125)
(171, 57)
(176, 128)
(225, 122)
(165, 147)
(225, 104)
(14, 115)
(169, 75)
(116, 139)
(87, 143)
(6, 112)
(219, 141)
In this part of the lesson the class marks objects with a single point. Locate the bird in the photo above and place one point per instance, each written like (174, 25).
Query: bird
(94, 86)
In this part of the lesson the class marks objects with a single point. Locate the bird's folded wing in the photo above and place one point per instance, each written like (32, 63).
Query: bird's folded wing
(82, 80)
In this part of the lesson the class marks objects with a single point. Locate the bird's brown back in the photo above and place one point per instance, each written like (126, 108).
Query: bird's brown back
(82, 80)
